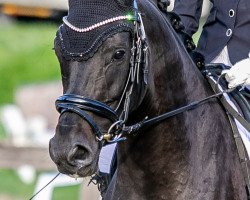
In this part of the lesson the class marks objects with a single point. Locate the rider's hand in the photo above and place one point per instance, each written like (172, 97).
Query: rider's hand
(239, 74)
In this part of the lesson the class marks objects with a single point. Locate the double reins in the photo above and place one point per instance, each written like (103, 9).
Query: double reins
(146, 123)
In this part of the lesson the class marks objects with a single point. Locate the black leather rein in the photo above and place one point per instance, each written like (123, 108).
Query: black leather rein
(128, 130)
(79, 105)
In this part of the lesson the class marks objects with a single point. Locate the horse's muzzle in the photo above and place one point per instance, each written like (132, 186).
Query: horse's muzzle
(76, 160)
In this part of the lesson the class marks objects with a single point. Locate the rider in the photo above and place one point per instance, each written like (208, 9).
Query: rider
(224, 39)
(225, 34)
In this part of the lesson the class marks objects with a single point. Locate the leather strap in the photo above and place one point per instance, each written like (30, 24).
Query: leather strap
(228, 107)
(244, 160)
(232, 115)
(87, 104)
(70, 108)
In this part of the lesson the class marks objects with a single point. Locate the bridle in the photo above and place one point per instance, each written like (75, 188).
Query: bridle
(138, 65)
(138, 73)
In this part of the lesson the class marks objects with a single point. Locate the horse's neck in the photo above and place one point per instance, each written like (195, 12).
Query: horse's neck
(177, 157)
(174, 75)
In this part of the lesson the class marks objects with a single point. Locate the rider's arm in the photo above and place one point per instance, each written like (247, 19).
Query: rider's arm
(190, 13)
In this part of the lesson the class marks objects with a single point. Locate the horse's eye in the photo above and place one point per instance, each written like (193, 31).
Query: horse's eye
(119, 55)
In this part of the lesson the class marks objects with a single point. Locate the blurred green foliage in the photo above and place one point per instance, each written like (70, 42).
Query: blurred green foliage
(66, 193)
(26, 56)
(13, 187)
(11, 184)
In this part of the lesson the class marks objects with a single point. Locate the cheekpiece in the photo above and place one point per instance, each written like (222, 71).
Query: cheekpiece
(89, 23)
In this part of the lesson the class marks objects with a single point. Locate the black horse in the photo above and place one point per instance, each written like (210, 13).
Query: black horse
(125, 76)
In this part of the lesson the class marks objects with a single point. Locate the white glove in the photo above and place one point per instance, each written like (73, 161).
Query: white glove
(239, 74)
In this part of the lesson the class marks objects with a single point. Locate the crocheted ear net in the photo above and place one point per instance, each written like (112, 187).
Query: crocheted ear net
(85, 13)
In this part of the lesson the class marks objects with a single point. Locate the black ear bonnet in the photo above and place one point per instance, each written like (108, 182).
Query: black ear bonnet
(102, 19)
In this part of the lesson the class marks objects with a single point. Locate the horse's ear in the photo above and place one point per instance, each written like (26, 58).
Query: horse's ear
(125, 2)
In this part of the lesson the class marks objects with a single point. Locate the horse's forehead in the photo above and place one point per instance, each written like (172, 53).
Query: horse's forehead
(83, 14)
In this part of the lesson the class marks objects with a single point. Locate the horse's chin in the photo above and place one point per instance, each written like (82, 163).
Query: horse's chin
(86, 171)
(80, 171)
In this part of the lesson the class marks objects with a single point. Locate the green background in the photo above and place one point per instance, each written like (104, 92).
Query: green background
(26, 56)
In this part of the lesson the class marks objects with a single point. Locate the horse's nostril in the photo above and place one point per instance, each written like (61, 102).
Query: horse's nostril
(81, 153)
(78, 154)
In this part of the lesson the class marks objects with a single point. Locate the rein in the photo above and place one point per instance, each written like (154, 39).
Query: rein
(128, 130)
(118, 131)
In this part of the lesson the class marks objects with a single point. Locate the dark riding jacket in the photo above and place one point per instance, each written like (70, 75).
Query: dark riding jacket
(227, 24)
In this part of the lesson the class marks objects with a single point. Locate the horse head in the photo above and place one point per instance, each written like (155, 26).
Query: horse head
(102, 53)
(114, 74)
